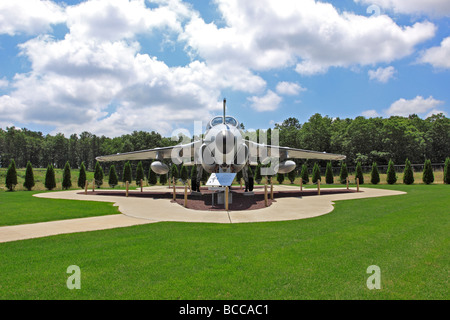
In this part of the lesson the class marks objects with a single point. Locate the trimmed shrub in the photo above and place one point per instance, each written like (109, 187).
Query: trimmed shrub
(304, 175)
(29, 177)
(316, 173)
(127, 173)
(344, 173)
(374, 174)
(329, 178)
(391, 177)
(113, 180)
(408, 174)
(258, 176)
(140, 173)
(428, 175)
(359, 173)
(11, 176)
(174, 172)
(447, 171)
(292, 175)
(98, 175)
(82, 176)
(50, 182)
(67, 177)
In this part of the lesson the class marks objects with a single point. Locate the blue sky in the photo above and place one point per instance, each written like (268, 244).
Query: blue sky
(114, 66)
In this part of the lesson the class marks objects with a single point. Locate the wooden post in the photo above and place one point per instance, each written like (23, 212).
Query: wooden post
(271, 189)
(347, 182)
(357, 184)
(127, 186)
(174, 190)
(318, 187)
(226, 198)
(86, 187)
(142, 185)
(93, 185)
(266, 201)
(301, 184)
(185, 195)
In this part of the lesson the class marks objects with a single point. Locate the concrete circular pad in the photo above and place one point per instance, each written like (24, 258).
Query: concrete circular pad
(288, 208)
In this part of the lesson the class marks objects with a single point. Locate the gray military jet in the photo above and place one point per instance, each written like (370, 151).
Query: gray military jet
(224, 149)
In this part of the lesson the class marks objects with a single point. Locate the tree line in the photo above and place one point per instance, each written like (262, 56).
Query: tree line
(364, 140)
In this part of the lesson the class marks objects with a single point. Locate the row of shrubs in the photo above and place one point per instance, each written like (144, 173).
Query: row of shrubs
(50, 181)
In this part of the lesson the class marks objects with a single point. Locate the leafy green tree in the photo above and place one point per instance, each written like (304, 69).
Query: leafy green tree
(127, 174)
(316, 173)
(374, 174)
(292, 175)
(343, 174)
(447, 171)
(304, 175)
(29, 177)
(67, 178)
(163, 179)
(50, 181)
(391, 177)
(82, 176)
(140, 173)
(280, 178)
(11, 176)
(152, 178)
(408, 174)
(113, 180)
(359, 173)
(98, 175)
(428, 175)
(329, 178)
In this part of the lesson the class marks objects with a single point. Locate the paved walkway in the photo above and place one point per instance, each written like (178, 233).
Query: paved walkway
(137, 211)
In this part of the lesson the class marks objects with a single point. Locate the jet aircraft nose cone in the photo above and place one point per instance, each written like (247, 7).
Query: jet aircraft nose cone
(225, 141)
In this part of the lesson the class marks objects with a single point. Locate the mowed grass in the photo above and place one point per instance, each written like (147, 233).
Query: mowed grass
(21, 207)
(319, 258)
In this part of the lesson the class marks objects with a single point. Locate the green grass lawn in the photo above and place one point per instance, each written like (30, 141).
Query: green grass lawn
(320, 258)
(21, 207)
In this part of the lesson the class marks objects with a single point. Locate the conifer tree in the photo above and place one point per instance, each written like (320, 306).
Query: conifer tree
(447, 171)
(239, 176)
(82, 176)
(98, 175)
(408, 174)
(316, 173)
(359, 173)
(292, 175)
(11, 176)
(280, 178)
(205, 177)
(391, 177)
(374, 174)
(113, 180)
(152, 178)
(127, 174)
(174, 172)
(343, 174)
(140, 173)
(29, 177)
(183, 174)
(258, 176)
(304, 175)
(67, 178)
(50, 182)
(329, 178)
(428, 175)
(163, 179)
(194, 181)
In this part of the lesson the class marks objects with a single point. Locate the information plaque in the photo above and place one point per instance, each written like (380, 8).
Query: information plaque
(221, 179)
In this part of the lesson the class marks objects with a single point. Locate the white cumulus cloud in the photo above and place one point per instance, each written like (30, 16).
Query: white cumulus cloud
(438, 57)
(269, 102)
(289, 88)
(429, 7)
(418, 105)
(382, 75)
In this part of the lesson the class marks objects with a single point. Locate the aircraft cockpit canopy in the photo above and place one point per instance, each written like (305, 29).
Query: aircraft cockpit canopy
(218, 120)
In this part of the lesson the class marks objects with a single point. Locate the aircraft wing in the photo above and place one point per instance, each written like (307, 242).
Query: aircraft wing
(157, 153)
(257, 149)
